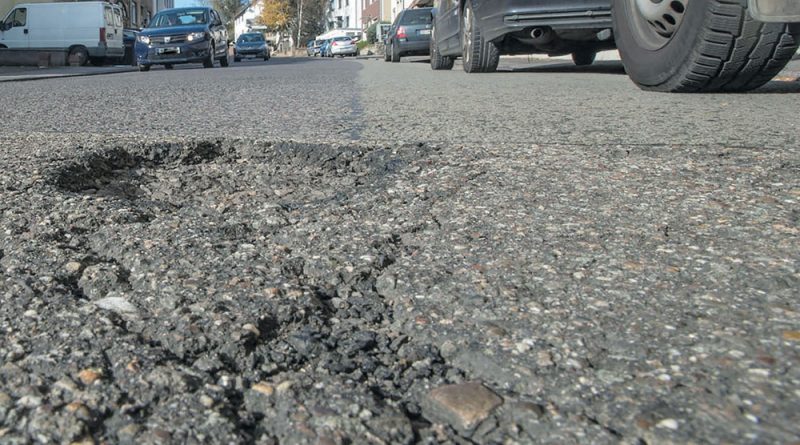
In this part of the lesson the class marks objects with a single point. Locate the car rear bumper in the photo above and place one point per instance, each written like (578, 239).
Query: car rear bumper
(414, 47)
(500, 17)
(186, 53)
(340, 50)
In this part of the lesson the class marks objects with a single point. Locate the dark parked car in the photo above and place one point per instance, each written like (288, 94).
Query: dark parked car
(409, 35)
(182, 35)
(251, 44)
(675, 45)
(128, 41)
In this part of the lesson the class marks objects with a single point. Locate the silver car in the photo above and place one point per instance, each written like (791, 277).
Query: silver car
(342, 46)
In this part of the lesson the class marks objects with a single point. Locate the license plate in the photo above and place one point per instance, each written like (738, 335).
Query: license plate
(175, 50)
(424, 31)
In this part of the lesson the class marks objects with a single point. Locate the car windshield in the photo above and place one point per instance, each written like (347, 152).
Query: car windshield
(251, 38)
(179, 17)
(416, 17)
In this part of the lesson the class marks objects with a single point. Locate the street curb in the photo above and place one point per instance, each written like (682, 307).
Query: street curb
(30, 77)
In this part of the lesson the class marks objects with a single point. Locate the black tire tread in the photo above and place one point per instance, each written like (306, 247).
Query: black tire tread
(485, 55)
(438, 61)
(735, 52)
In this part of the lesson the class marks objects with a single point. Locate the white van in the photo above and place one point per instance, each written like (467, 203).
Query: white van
(89, 31)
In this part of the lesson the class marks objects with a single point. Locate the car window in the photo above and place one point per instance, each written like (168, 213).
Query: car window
(109, 16)
(343, 39)
(180, 17)
(416, 17)
(18, 17)
(251, 38)
(118, 17)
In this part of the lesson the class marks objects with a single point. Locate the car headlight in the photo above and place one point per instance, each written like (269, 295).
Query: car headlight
(144, 39)
(196, 36)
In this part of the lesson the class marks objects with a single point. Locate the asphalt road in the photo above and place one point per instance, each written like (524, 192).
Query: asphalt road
(342, 251)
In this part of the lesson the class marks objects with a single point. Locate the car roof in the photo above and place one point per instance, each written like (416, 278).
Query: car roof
(185, 8)
(416, 9)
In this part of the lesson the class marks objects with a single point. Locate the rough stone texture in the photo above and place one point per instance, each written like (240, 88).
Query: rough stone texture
(464, 406)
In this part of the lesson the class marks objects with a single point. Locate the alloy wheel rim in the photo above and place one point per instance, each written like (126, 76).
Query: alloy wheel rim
(662, 17)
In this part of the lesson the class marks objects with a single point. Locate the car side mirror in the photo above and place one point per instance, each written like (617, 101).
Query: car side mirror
(5, 26)
(434, 11)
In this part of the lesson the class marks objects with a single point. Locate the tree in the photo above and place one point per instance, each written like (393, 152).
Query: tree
(302, 19)
(276, 15)
(228, 10)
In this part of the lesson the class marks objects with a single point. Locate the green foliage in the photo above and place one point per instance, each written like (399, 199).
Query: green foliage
(372, 31)
(362, 44)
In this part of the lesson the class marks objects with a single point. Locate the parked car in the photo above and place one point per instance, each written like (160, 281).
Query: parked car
(251, 45)
(182, 35)
(88, 31)
(343, 46)
(409, 35)
(128, 42)
(677, 45)
(324, 48)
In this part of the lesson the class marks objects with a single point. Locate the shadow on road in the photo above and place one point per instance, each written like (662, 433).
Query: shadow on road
(605, 67)
(778, 87)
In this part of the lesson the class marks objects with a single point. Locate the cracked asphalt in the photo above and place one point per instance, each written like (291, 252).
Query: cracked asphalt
(338, 251)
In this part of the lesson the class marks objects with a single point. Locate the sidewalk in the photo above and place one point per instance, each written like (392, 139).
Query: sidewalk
(21, 73)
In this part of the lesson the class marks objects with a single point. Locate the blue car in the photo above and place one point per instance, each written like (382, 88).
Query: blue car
(323, 49)
(182, 35)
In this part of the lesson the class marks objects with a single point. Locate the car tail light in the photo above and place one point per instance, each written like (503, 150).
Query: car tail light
(102, 34)
(401, 32)
(335, 43)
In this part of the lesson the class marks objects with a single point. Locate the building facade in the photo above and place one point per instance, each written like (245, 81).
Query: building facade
(376, 11)
(345, 14)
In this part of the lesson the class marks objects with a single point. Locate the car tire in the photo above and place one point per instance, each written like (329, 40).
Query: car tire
(387, 56)
(479, 56)
(80, 54)
(237, 59)
(144, 68)
(209, 61)
(712, 45)
(438, 61)
(395, 54)
(583, 57)
(223, 61)
(169, 66)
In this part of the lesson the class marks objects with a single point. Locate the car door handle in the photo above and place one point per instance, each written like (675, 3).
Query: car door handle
(24, 31)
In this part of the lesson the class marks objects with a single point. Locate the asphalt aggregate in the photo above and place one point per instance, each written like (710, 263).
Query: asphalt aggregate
(352, 251)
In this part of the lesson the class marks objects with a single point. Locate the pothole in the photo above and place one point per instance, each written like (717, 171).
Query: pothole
(245, 284)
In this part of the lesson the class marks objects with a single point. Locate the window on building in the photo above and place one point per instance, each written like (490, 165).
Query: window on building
(134, 15)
